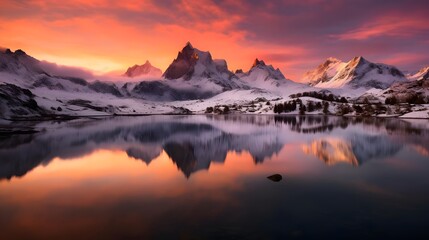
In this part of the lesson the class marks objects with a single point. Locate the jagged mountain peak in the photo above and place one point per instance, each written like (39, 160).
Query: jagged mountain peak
(189, 45)
(268, 70)
(258, 62)
(20, 52)
(192, 63)
(17, 52)
(7, 51)
(264, 76)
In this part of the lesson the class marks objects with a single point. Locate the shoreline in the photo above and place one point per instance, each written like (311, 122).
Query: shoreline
(69, 118)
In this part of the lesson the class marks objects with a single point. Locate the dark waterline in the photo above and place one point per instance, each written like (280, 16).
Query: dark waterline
(193, 177)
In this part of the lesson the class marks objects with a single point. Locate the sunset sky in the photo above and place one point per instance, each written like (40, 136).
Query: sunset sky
(294, 35)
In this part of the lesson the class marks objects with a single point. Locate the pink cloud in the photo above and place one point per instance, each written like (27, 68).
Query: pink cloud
(385, 26)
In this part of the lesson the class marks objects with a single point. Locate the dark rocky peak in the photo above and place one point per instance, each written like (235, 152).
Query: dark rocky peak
(19, 52)
(258, 62)
(187, 58)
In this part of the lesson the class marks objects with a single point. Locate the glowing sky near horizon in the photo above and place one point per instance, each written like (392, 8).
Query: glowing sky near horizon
(293, 35)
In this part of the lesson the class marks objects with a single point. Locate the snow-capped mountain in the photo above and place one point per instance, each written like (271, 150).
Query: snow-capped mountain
(260, 72)
(360, 73)
(194, 82)
(19, 63)
(22, 70)
(324, 72)
(193, 64)
(194, 74)
(422, 74)
(144, 70)
(264, 76)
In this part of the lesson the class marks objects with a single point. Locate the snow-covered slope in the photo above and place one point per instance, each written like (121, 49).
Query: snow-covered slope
(145, 70)
(324, 72)
(60, 95)
(360, 73)
(263, 75)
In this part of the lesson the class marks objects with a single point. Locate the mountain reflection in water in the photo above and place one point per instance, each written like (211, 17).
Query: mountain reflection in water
(193, 143)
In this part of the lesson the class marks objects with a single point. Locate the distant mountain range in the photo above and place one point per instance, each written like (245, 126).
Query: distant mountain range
(145, 70)
(193, 81)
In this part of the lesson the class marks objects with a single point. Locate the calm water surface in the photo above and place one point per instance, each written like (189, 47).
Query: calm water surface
(200, 177)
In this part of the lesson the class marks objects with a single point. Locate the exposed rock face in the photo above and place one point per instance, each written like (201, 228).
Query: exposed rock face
(193, 63)
(184, 64)
(407, 91)
(102, 87)
(143, 70)
(161, 91)
(258, 62)
(17, 102)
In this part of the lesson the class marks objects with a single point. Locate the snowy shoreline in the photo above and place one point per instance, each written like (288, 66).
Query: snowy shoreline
(68, 118)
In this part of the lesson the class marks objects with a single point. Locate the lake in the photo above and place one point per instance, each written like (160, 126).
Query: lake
(205, 177)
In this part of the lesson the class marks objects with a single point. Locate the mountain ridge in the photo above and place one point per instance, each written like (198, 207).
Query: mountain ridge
(356, 73)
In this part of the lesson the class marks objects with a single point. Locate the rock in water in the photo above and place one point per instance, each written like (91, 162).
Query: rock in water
(275, 177)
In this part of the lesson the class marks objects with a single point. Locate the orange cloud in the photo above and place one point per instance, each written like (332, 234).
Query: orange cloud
(105, 35)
